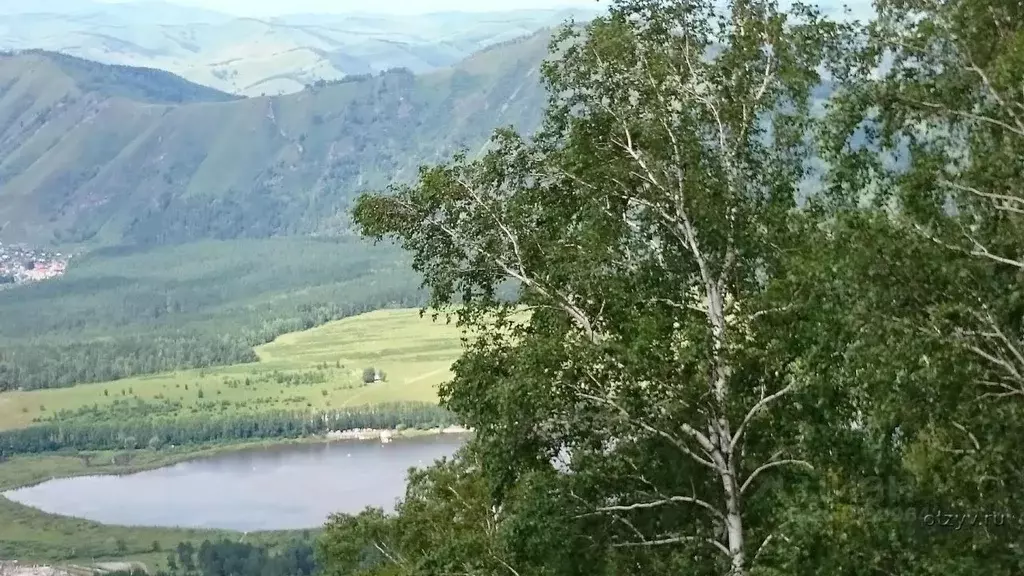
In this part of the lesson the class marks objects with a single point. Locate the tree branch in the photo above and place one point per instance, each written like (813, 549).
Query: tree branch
(754, 411)
(701, 439)
(995, 94)
(774, 464)
(967, 115)
(663, 502)
(674, 540)
(989, 196)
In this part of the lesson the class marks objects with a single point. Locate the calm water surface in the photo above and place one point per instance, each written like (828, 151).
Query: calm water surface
(278, 488)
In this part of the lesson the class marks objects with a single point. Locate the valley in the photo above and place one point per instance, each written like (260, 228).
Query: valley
(736, 289)
(298, 371)
(127, 311)
(320, 369)
(217, 296)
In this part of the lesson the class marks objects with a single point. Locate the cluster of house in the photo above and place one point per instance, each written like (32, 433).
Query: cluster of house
(20, 264)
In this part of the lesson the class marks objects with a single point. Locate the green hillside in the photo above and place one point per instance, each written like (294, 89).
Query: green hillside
(141, 84)
(81, 161)
(120, 312)
(322, 367)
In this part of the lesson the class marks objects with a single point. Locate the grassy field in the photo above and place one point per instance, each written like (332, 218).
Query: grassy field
(319, 368)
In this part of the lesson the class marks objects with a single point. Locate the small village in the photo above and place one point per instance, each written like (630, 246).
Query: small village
(20, 264)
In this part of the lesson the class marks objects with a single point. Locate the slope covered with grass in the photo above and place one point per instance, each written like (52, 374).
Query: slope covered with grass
(319, 369)
(91, 157)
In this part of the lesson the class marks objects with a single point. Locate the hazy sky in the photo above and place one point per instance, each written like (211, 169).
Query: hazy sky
(267, 8)
(275, 7)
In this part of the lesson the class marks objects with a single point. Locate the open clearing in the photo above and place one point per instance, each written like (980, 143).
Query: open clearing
(320, 368)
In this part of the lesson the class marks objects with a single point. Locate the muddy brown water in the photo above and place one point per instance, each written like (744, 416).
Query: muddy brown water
(286, 487)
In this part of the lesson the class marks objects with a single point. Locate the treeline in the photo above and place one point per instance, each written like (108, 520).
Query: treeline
(58, 365)
(146, 84)
(228, 558)
(127, 311)
(156, 432)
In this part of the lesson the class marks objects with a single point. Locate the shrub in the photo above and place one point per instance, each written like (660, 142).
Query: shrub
(369, 375)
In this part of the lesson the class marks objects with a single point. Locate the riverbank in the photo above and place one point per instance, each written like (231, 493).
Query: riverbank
(29, 534)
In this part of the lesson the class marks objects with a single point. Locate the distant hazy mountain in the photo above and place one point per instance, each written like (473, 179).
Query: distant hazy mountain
(142, 12)
(110, 154)
(254, 57)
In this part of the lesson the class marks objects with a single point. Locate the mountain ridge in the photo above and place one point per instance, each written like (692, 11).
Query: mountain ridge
(257, 56)
(136, 77)
(104, 167)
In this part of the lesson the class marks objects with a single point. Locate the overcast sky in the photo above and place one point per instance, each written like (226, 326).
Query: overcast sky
(267, 8)
(259, 8)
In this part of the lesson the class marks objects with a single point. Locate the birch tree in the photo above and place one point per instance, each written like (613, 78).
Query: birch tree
(930, 129)
(950, 102)
(645, 227)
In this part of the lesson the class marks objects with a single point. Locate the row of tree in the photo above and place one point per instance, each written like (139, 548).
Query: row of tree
(61, 365)
(155, 432)
(717, 380)
(230, 558)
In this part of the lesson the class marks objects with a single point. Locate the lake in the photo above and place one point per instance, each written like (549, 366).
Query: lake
(277, 488)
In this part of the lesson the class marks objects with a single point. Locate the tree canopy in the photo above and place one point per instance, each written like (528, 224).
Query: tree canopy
(714, 378)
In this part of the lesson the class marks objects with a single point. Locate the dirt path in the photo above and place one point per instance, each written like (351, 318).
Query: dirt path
(425, 376)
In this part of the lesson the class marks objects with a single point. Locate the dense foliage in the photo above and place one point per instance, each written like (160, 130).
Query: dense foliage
(154, 431)
(125, 311)
(227, 558)
(715, 380)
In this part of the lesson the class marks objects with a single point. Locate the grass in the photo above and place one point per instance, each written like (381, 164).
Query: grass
(320, 368)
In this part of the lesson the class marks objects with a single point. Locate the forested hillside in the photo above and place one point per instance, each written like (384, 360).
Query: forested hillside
(91, 153)
(124, 311)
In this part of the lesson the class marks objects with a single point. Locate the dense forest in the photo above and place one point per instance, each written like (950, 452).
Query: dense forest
(227, 558)
(128, 432)
(717, 380)
(124, 311)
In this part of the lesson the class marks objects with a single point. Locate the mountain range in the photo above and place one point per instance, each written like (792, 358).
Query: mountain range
(102, 155)
(255, 57)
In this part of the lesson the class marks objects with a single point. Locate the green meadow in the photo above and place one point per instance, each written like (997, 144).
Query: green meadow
(320, 368)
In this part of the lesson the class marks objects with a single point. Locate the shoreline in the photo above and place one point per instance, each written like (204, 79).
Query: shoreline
(47, 535)
(386, 434)
(189, 453)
